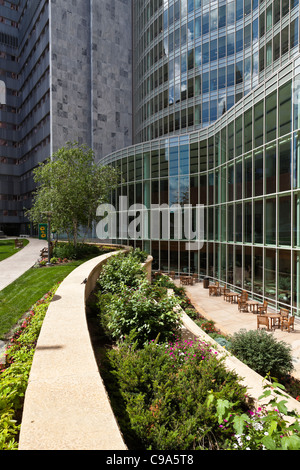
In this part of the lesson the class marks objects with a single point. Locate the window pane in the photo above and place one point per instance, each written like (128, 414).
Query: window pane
(285, 109)
(258, 222)
(230, 182)
(285, 162)
(258, 173)
(248, 222)
(270, 221)
(276, 47)
(230, 223)
(269, 272)
(258, 270)
(239, 222)
(271, 117)
(258, 124)
(238, 178)
(270, 169)
(248, 131)
(284, 276)
(248, 176)
(284, 226)
(238, 136)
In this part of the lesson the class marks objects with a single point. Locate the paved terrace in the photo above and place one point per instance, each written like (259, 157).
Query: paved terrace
(229, 320)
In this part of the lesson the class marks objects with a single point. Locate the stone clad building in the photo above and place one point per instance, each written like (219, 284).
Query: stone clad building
(65, 75)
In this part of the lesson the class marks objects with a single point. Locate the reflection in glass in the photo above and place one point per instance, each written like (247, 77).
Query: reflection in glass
(258, 221)
(258, 270)
(239, 222)
(285, 109)
(284, 220)
(270, 273)
(258, 124)
(285, 162)
(248, 176)
(270, 169)
(270, 218)
(247, 272)
(271, 111)
(248, 222)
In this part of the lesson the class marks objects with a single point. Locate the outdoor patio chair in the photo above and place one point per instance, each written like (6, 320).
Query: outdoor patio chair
(261, 309)
(225, 292)
(242, 303)
(284, 312)
(288, 323)
(262, 321)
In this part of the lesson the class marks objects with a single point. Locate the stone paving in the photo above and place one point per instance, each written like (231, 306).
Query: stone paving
(229, 320)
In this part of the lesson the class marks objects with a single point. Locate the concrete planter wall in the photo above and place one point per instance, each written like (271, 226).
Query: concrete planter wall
(66, 405)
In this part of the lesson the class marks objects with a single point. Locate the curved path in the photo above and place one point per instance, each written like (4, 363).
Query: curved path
(13, 267)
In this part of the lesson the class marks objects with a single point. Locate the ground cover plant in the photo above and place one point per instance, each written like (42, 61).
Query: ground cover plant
(14, 372)
(7, 248)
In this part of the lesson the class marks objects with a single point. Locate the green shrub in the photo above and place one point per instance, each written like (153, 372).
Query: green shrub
(70, 251)
(164, 388)
(148, 311)
(139, 255)
(262, 352)
(121, 270)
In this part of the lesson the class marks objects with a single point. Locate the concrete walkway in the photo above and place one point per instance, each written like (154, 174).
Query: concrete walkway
(229, 320)
(13, 267)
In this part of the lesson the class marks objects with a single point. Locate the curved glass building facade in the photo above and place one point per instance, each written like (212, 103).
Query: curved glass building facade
(216, 123)
(195, 59)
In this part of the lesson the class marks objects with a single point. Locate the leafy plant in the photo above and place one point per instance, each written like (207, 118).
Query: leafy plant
(142, 309)
(121, 270)
(269, 427)
(164, 389)
(262, 352)
(79, 251)
(139, 255)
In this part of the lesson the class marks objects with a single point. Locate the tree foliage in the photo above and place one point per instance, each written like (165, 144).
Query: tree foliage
(71, 185)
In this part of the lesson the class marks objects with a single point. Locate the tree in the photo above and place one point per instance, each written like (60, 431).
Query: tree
(71, 185)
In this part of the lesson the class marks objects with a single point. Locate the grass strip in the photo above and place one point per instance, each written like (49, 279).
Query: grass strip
(7, 248)
(17, 298)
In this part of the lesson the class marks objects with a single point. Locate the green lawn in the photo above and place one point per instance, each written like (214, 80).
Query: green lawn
(7, 248)
(17, 298)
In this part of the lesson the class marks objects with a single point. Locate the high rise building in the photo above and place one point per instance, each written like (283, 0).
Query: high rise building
(65, 75)
(195, 101)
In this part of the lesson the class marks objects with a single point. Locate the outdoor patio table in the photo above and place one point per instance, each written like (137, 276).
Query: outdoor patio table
(232, 296)
(253, 304)
(213, 289)
(272, 318)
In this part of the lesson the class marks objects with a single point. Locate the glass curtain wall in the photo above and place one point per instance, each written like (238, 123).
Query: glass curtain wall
(247, 178)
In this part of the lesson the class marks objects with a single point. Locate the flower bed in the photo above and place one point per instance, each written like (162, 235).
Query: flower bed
(14, 373)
